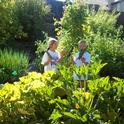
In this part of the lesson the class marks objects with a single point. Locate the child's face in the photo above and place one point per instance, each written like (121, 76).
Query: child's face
(82, 45)
(54, 45)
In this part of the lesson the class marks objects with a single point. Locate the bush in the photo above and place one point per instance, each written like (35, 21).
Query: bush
(32, 16)
(41, 47)
(12, 64)
(101, 33)
(102, 22)
(110, 51)
(9, 25)
(36, 98)
(69, 29)
(27, 100)
(104, 40)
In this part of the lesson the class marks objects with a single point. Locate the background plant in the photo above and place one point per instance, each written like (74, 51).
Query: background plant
(69, 31)
(99, 29)
(104, 39)
(12, 64)
(41, 47)
(9, 25)
(32, 16)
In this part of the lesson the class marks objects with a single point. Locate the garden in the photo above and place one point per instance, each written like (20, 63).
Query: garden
(30, 96)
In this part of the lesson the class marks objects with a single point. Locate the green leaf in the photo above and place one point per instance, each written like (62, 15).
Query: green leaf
(69, 115)
(84, 118)
(55, 115)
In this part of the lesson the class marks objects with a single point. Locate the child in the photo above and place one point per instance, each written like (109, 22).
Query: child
(81, 57)
(51, 57)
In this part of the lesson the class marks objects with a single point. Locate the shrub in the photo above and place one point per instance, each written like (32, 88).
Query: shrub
(32, 16)
(110, 51)
(9, 25)
(104, 40)
(41, 47)
(101, 33)
(98, 104)
(102, 22)
(12, 64)
(69, 29)
(27, 100)
(36, 98)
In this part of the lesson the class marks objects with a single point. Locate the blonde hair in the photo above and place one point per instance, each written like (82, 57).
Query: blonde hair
(51, 41)
(82, 41)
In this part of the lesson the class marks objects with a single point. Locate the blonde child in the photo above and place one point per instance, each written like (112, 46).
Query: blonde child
(81, 59)
(51, 57)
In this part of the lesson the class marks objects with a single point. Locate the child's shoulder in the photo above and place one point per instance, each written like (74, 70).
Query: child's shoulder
(87, 53)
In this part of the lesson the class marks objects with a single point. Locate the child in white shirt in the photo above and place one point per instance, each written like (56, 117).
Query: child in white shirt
(83, 59)
(51, 57)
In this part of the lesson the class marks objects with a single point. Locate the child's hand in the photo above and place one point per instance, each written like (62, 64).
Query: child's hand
(49, 60)
(83, 60)
(62, 53)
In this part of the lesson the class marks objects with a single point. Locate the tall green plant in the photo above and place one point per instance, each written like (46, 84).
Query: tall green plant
(70, 30)
(12, 64)
(102, 22)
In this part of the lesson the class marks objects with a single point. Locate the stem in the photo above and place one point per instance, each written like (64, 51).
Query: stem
(85, 85)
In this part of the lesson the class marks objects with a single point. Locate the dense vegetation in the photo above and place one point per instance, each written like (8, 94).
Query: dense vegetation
(13, 64)
(48, 98)
(101, 33)
(23, 19)
(9, 26)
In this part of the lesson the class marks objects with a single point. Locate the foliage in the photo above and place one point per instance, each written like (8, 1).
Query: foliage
(38, 98)
(99, 104)
(69, 29)
(32, 16)
(102, 22)
(109, 50)
(9, 25)
(26, 100)
(101, 33)
(104, 40)
(41, 47)
(12, 64)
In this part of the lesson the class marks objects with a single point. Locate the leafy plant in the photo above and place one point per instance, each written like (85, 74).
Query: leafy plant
(32, 16)
(9, 25)
(12, 64)
(100, 104)
(41, 47)
(69, 29)
(101, 33)
(48, 98)
(105, 42)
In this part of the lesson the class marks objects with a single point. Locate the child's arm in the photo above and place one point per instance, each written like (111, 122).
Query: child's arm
(46, 59)
(86, 58)
(61, 56)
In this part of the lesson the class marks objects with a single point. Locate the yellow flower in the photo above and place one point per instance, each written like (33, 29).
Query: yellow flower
(87, 95)
(77, 106)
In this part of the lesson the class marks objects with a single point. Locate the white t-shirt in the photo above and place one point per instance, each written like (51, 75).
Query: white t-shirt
(52, 65)
(79, 63)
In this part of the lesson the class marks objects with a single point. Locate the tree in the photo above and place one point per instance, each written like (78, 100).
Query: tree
(9, 26)
(32, 16)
